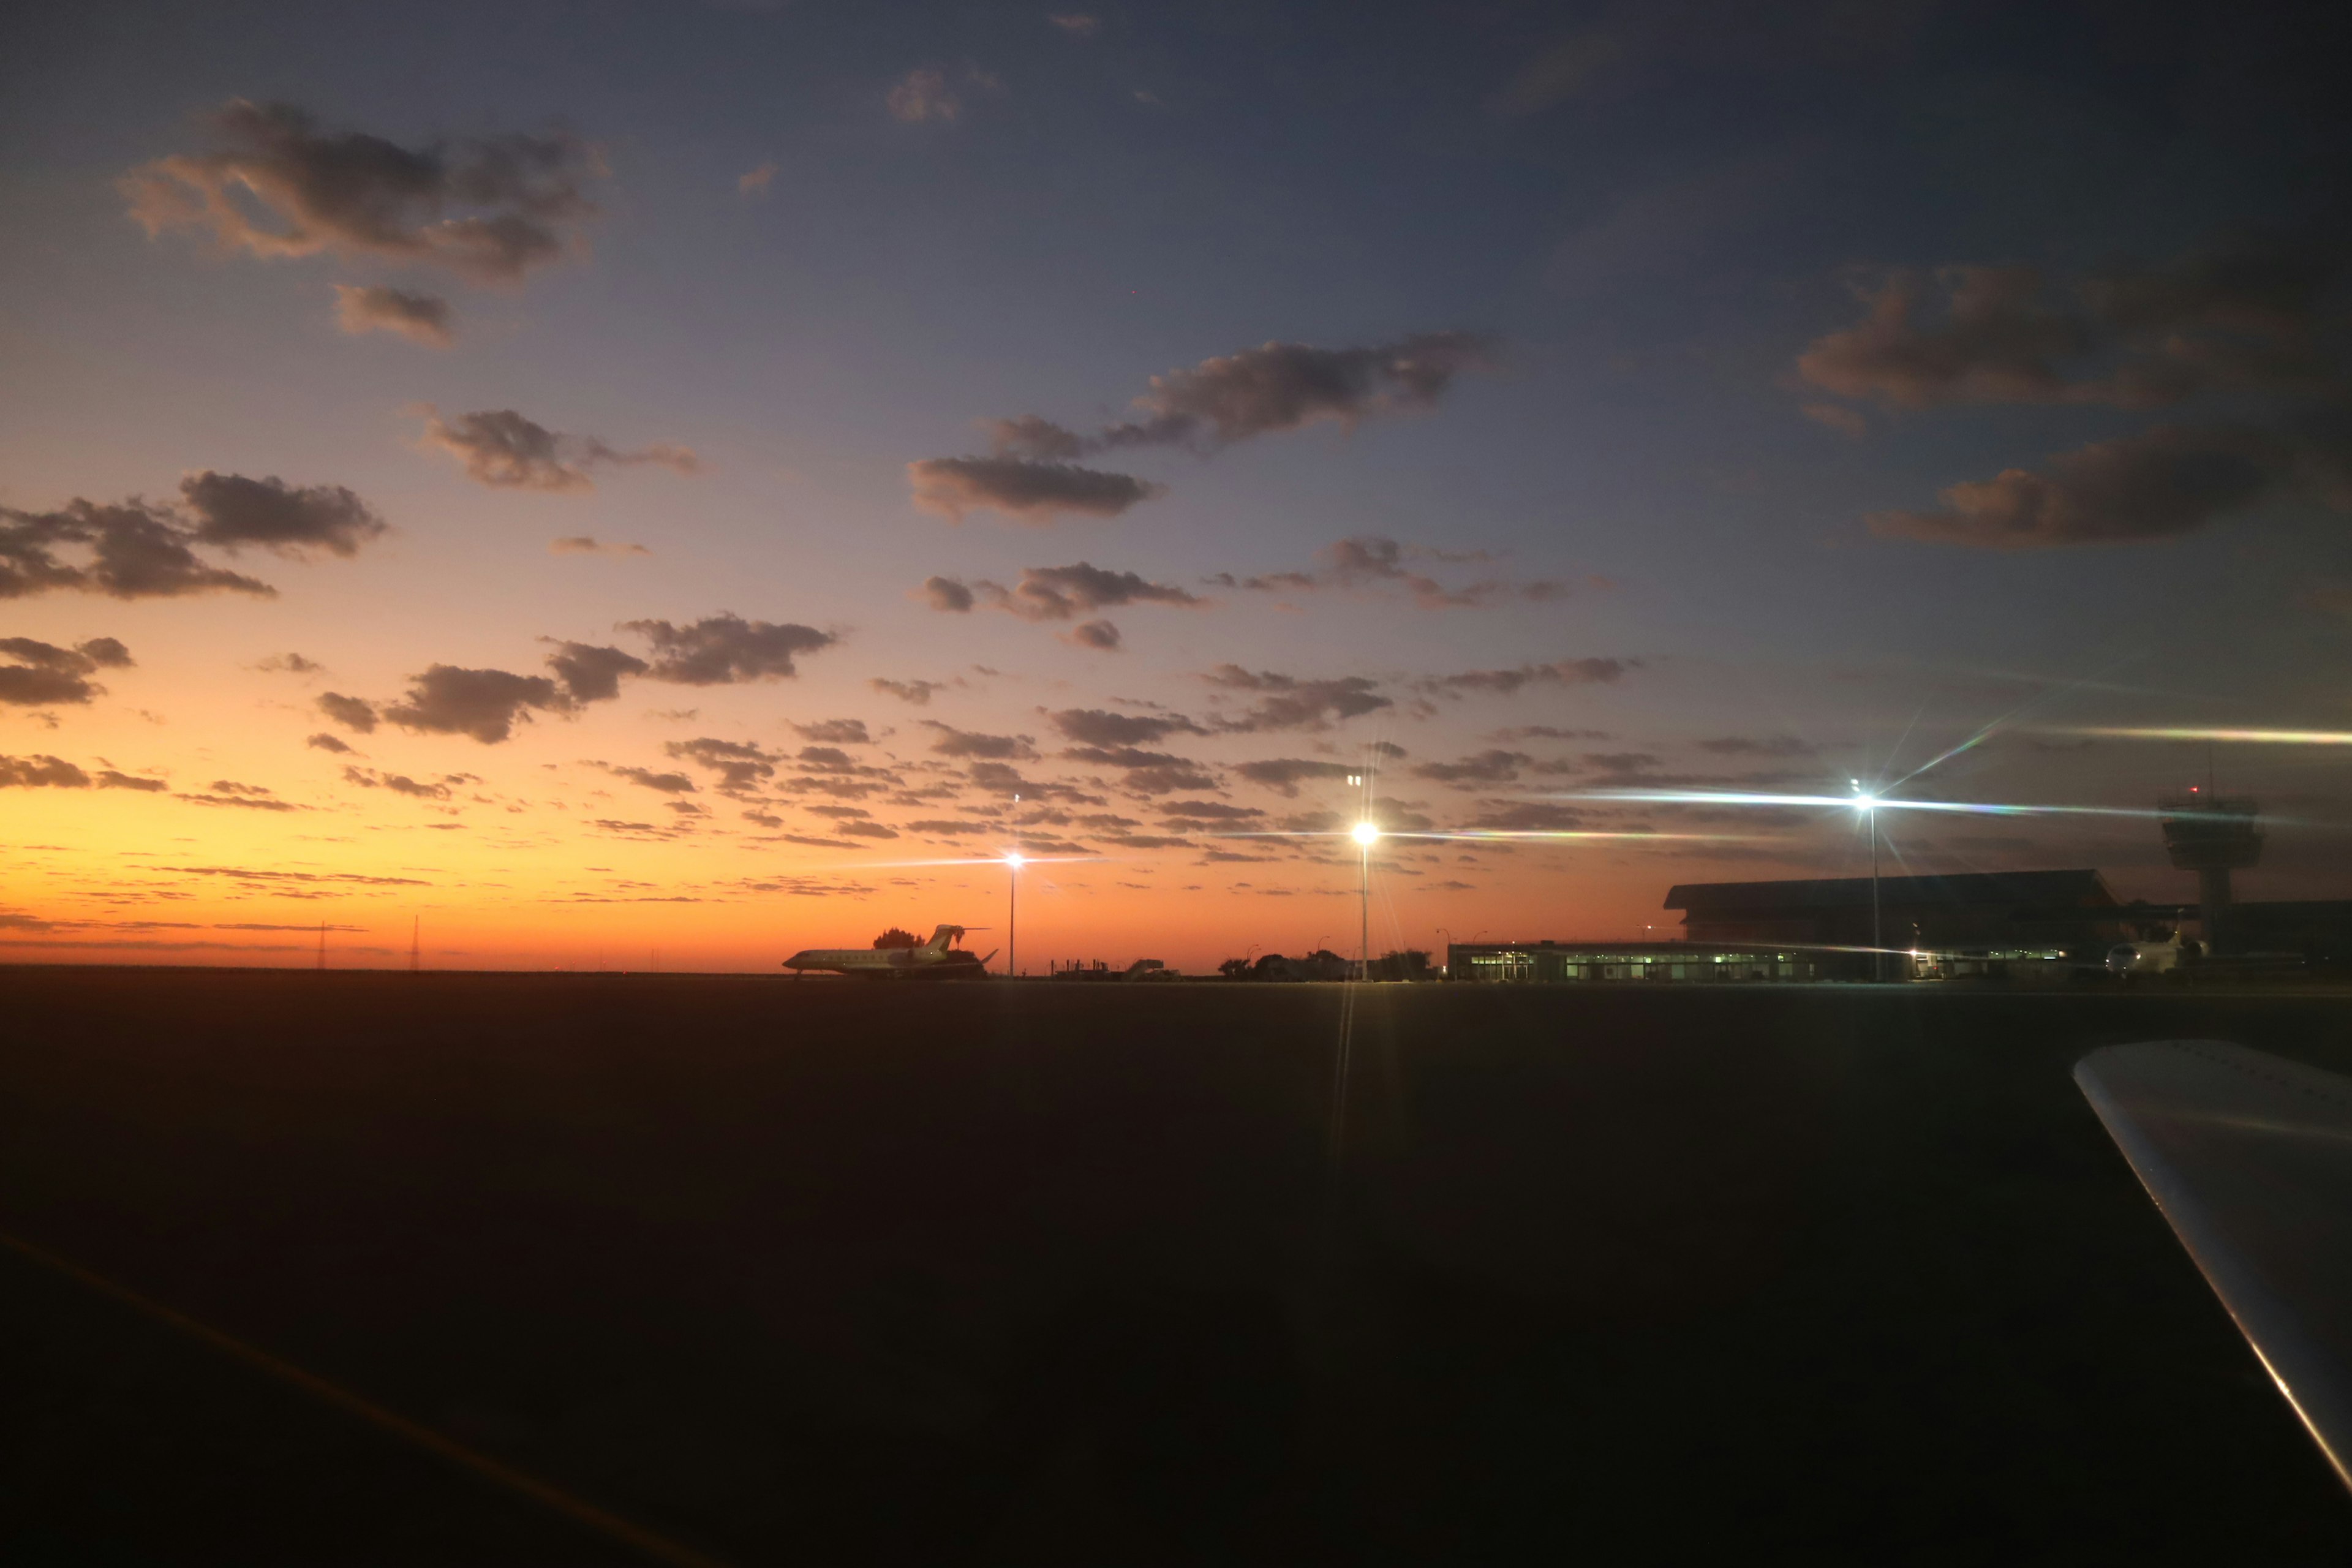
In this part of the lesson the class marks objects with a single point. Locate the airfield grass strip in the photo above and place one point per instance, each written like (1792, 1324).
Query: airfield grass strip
(541, 1492)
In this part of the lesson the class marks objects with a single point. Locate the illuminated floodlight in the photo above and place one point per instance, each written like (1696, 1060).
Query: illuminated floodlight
(1366, 834)
(1015, 860)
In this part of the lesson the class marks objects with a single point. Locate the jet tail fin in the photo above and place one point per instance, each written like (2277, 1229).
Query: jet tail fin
(942, 936)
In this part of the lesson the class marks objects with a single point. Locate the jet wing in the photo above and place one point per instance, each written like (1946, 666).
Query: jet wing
(2249, 1158)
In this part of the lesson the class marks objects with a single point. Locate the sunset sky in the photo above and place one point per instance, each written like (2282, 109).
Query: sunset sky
(611, 484)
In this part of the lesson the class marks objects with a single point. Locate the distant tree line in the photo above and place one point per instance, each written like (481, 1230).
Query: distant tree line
(1408, 964)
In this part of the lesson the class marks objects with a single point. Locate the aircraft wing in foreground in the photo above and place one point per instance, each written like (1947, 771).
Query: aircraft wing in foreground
(2249, 1157)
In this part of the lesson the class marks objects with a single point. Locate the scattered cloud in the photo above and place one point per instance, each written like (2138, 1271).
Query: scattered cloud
(590, 672)
(1274, 387)
(1101, 727)
(917, 692)
(43, 673)
(835, 731)
(955, 742)
(740, 765)
(350, 712)
(488, 209)
(1025, 489)
(327, 743)
(289, 664)
(137, 551)
(1076, 25)
(486, 704)
(587, 544)
(1288, 702)
(2245, 314)
(502, 449)
(41, 772)
(1055, 593)
(724, 649)
(1100, 637)
(1144, 772)
(646, 778)
(2157, 484)
(921, 95)
(1285, 774)
(1370, 562)
(233, 511)
(756, 183)
(420, 318)
(1505, 682)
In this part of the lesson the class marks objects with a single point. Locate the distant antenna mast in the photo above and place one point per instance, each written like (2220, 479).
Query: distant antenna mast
(415, 953)
(322, 944)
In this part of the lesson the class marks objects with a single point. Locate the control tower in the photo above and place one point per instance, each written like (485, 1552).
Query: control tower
(2212, 835)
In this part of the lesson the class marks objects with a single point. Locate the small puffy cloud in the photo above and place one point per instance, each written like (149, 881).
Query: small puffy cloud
(1076, 24)
(1102, 727)
(326, 742)
(947, 594)
(2247, 313)
(400, 783)
(41, 772)
(1208, 811)
(724, 649)
(350, 712)
(1990, 338)
(835, 731)
(1505, 682)
(232, 510)
(955, 742)
(108, 779)
(1101, 636)
(1145, 772)
(1274, 387)
(1375, 563)
(1288, 702)
(917, 693)
(42, 673)
(136, 551)
(1488, 767)
(2161, 483)
(1027, 490)
(922, 95)
(486, 704)
(420, 318)
(740, 764)
(646, 778)
(1285, 774)
(1281, 386)
(592, 673)
(488, 209)
(289, 664)
(587, 544)
(502, 449)
(756, 183)
(1064, 593)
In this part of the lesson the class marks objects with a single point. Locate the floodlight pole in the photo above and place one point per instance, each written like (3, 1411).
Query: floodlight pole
(1364, 910)
(1011, 918)
(1876, 945)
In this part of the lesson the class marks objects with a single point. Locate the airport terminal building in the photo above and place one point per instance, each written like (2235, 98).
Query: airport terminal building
(1961, 926)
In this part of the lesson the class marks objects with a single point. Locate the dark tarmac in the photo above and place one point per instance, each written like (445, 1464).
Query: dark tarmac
(819, 1273)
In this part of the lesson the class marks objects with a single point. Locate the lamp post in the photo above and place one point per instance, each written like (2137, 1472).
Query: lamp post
(1366, 834)
(1867, 804)
(1012, 864)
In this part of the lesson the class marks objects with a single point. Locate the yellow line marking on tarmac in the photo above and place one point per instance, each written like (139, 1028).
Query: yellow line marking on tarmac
(539, 1491)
